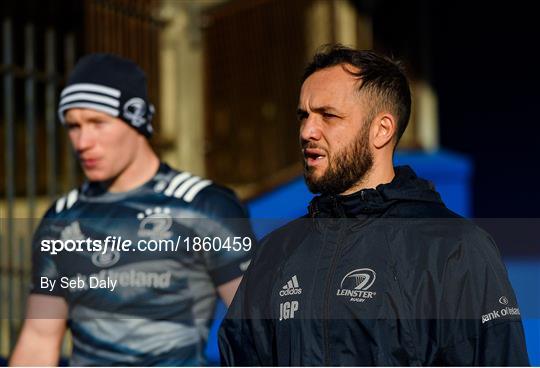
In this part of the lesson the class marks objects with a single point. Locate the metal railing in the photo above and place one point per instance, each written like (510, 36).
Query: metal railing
(31, 144)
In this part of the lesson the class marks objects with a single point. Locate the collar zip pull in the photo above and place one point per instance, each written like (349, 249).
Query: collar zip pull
(313, 209)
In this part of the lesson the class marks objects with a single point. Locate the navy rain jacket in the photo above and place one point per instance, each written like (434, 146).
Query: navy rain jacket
(386, 276)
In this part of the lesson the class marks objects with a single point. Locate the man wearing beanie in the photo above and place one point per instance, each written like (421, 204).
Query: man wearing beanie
(123, 260)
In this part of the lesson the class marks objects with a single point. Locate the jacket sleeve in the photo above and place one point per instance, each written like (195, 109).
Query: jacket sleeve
(481, 321)
(245, 336)
(499, 345)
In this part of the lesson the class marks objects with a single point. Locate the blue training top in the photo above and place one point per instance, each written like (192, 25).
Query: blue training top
(134, 306)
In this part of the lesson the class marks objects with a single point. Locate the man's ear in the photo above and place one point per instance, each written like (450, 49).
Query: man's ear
(383, 130)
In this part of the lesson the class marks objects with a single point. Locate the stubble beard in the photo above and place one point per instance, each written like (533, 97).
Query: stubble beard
(346, 168)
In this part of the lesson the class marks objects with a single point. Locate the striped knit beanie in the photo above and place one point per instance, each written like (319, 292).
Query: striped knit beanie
(109, 84)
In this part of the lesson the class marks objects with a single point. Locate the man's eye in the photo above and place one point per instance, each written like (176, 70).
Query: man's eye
(72, 126)
(327, 115)
(301, 117)
(99, 123)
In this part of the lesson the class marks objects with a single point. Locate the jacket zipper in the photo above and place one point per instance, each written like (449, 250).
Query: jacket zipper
(327, 301)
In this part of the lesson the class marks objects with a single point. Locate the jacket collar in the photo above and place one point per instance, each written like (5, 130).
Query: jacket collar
(406, 186)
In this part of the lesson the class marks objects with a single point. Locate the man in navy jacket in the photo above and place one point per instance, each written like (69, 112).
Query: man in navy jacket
(379, 272)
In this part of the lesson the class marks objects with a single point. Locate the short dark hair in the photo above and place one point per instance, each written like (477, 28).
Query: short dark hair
(381, 77)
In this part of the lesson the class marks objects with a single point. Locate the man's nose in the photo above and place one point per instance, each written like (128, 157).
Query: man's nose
(310, 130)
(84, 140)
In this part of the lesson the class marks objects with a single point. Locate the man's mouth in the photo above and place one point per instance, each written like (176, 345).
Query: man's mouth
(89, 163)
(314, 156)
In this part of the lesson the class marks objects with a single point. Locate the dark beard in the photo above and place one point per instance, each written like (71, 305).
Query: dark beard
(345, 168)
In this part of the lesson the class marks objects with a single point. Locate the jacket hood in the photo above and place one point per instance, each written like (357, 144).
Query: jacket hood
(405, 187)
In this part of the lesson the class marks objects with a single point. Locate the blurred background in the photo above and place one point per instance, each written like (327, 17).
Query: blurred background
(224, 76)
